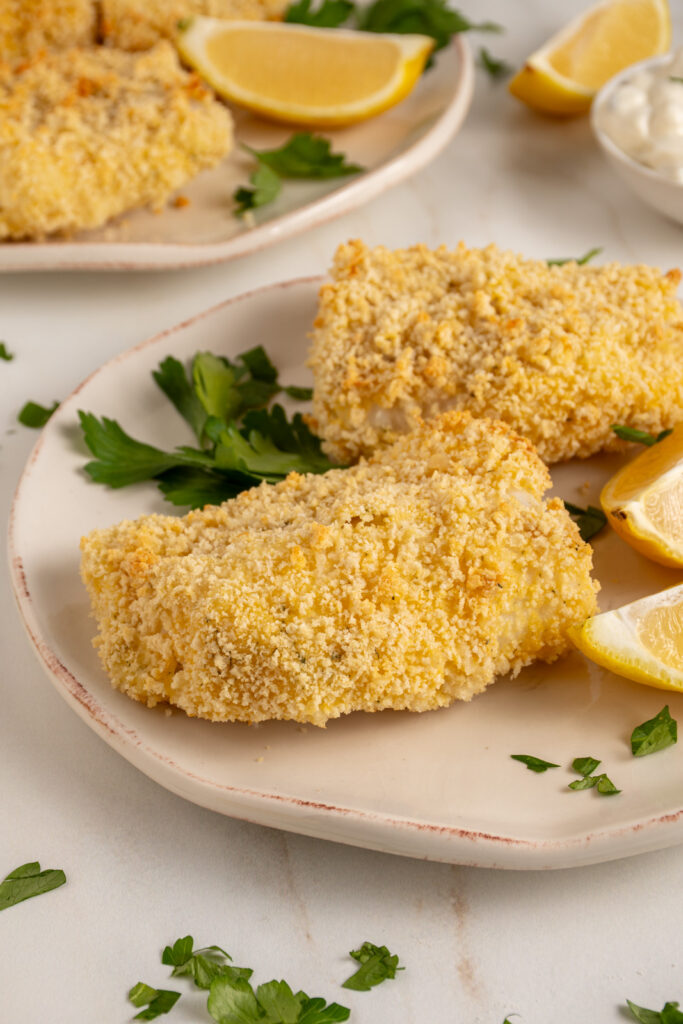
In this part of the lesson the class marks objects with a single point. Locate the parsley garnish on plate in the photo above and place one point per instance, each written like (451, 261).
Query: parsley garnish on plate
(328, 14)
(35, 415)
(496, 68)
(424, 17)
(589, 520)
(303, 156)
(639, 436)
(580, 261)
(5, 354)
(585, 766)
(534, 764)
(655, 734)
(376, 965)
(240, 441)
(27, 881)
(160, 1000)
(669, 1014)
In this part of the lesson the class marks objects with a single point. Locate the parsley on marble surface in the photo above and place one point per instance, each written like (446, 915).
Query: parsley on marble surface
(5, 353)
(234, 1001)
(202, 965)
(27, 881)
(534, 764)
(655, 734)
(669, 1014)
(589, 520)
(494, 67)
(156, 1001)
(377, 964)
(35, 415)
(639, 436)
(580, 261)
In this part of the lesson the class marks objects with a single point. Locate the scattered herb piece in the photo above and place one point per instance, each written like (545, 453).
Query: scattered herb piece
(305, 156)
(4, 354)
(376, 965)
(266, 187)
(588, 782)
(639, 436)
(27, 881)
(589, 520)
(585, 765)
(655, 734)
(496, 68)
(534, 764)
(581, 261)
(602, 783)
(35, 415)
(675, 78)
(202, 965)
(233, 1001)
(669, 1014)
(160, 1000)
(424, 17)
(329, 14)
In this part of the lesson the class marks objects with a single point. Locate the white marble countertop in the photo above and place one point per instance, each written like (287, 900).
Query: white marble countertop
(144, 866)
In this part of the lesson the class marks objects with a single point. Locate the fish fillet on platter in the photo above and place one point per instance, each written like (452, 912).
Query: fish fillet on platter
(408, 581)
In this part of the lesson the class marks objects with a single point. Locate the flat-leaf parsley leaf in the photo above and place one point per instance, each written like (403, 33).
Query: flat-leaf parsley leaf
(376, 965)
(638, 436)
(27, 881)
(534, 764)
(589, 520)
(160, 1000)
(35, 415)
(655, 734)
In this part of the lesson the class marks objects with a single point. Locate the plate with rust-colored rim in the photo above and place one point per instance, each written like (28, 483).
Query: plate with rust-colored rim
(203, 229)
(439, 785)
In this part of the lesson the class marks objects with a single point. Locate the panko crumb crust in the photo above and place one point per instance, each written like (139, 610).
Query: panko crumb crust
(86, 134)
(560, 353)
(138, 24)
(408, 581)
(28, 27)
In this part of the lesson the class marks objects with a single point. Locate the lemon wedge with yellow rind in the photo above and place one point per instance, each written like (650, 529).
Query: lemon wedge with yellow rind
(644, 501)
(301, 75)
(564, 75)
(642, 641)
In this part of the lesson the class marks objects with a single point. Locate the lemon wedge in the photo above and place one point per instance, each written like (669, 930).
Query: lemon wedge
(564, 75)
(642, 641)
(644, 501)
(302, 75)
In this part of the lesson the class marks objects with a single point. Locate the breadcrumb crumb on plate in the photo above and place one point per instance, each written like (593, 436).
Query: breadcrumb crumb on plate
(439, 785)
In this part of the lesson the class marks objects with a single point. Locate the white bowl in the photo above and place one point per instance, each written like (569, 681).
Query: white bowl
(649, 185)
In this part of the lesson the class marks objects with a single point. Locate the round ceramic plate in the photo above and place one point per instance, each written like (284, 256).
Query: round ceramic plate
(391, 147)
(439, 785)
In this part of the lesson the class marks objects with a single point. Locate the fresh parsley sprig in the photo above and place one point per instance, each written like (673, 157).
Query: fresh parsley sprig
(303, 156)
(376, 965)
(669, 1014)
(589, 520)
(328, 14)
(580, 261)
(655, 734)
(156, 1000)
(27, 881)
(534, 764)
(202, 965)
(493, 66)
(638, 436)
(35, 415)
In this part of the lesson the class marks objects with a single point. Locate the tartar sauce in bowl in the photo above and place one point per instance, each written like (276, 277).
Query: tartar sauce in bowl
(643, 115)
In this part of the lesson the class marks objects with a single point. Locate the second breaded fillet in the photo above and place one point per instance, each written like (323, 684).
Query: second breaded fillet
(28, 27)
(88, 134)
(406, 582)
(560, 353)
(137, 24)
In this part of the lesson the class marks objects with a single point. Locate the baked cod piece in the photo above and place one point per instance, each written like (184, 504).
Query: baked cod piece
(138, 24)
(408, 581)
(28, 27)
(88, 134)
(560, 353)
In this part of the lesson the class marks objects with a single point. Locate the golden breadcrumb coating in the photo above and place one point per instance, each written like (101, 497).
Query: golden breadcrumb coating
(28, 27)
(407, 582)
(560, 353)
(87, 134)
(137, 24)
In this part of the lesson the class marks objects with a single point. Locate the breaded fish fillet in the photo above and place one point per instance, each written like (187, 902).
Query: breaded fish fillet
(137, 24)
(87, 134)
(29, 26)
(560, 353)
(405, 582)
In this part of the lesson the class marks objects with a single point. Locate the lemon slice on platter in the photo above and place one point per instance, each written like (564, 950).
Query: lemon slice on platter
(642, 641)
(564, 75)
(302, 75)
(644, 501)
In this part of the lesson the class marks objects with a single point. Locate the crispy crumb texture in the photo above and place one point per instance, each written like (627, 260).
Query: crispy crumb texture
(86, 134)
(559, 353)
(138, 24)
(28, 27)
(408, 581)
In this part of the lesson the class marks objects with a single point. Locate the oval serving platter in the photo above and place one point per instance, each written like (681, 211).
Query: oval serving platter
(440, 785)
